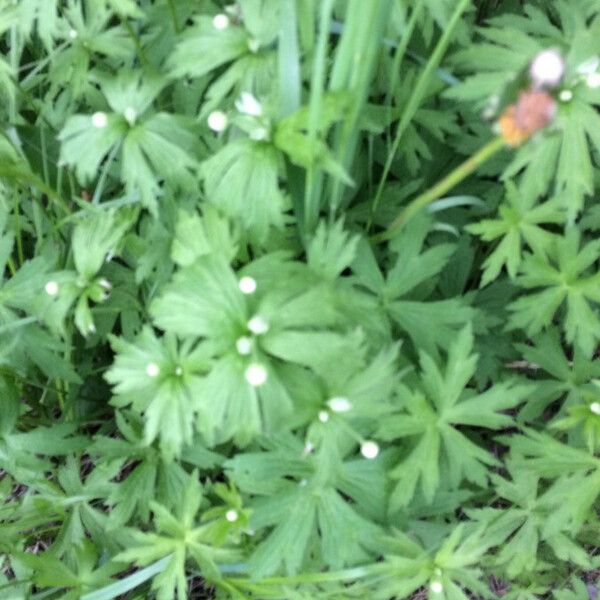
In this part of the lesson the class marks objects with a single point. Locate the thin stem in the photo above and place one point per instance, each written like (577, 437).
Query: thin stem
(311, 191)
(102, 180)
(173, 16)
(440, 188)
(402, 46)
(417, 96)
(138, 46)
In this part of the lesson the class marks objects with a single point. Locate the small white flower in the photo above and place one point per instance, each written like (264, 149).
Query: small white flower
(258, 134)
(178, 371)
(217, 121)
(99, 119)
(247, 285)
(130, 115)
(566, 96)
(595, 408)
(51, 288)
(339, 404)
(244, 345)
(220, 22)
(258, 325)
(593, 80)
(247, 104)
(547, 68)
(302, 482)
(253, 45)
(255, 374)
(73, 34)
(232, 515)
(323, 416)
(589, 66)
(369, 449)
(105, 283)
(436, 587)
(308, 448)
(152, 369)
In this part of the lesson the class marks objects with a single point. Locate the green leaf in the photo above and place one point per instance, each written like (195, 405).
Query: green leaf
(241, 179)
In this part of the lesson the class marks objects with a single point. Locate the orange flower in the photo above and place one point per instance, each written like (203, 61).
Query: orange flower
(533, 111)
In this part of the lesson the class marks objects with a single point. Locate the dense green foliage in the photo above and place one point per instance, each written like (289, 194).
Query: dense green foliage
(220, 372)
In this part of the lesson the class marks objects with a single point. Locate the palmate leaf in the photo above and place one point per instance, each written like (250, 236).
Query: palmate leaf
(204, 48)
(451, 567)
(178, 535)
(574, 496)
(152, 146)
(84, 575)
(241, 179)
(152, 477)
(436, 413)
(159, 379)
(561, 278)
(519, 530)
(276, 322)
(40, 16)
(567, 380)
(198, 235)
(403, 291)
(304, 503)
(518, 223)
(96, 235)
(331, 250)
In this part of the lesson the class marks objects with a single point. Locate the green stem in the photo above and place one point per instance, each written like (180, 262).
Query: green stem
(138, 46)
(417, 96)
(326, 577)
(173, 16)
(402, 46)
(311, 191)
(440, 188)
(104, 174)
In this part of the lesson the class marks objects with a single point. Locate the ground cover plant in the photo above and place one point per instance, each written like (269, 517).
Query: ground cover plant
(299, 299)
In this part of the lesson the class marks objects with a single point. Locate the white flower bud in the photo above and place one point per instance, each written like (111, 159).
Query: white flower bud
(51, 288)
(232, 515)
(259, 134)
(256, 374)
(595, 408)
(323, 416)
(593, 80)
(369, 449)
(258, 325)
(247, 285)
(105, 284)
(566, 96)
(248, 105)
(178, 371)
(220, 22)
(217, 121)
(253, 45)
(130, 115)
(152, 369)
(547, 68)
(436, 587)
(99, 119)
(589, 66)
(244, 345)
(339, 404)
(73, 34)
